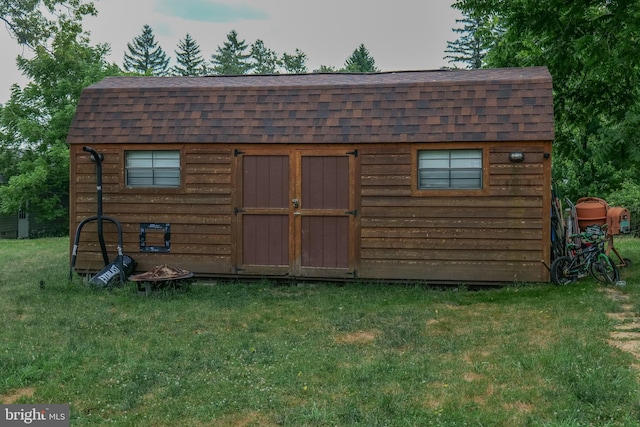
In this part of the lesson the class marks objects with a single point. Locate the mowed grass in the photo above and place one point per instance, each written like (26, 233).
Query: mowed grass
(311, 354)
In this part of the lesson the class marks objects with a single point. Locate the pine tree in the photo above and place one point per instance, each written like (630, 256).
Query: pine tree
(360, 61)
(190, 62)
(145, 56)
(474, 41)
(231, 59)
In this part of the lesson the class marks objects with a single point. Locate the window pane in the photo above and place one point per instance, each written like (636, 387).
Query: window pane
(434, 179)
(435, 164)
(465, 154)
(140, 177)
(166, 177)
(466, 179)
(433, 159)
(466, 163)
(164, 159)
(139, 159)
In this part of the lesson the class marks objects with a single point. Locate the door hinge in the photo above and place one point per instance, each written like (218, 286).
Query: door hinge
(353, 212)
(236, 211)
(238, 269)
(237, 152)
(354, 153)
(353, 273)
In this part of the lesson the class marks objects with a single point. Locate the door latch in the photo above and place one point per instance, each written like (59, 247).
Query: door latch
(296, 203)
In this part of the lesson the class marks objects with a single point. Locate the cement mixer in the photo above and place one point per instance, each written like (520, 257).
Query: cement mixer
(593, 211)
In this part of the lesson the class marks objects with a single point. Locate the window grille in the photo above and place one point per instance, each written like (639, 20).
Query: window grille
(153, 168)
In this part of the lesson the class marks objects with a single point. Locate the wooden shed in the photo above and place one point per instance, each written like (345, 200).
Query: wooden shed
(436, 176)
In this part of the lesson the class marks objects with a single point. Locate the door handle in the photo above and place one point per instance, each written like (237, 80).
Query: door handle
(296, 213)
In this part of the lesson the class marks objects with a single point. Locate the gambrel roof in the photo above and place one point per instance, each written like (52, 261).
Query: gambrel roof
(510, 104)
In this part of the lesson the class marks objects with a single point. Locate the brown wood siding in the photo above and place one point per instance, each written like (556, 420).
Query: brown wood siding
(501, 235)
(199, 212)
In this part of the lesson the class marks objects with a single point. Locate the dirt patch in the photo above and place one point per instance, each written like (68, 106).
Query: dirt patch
(359, 337)
(630, 326)
(245, 420)
(615, 294)
(620, 316)
(482, 399)
(472, 376)
(15, 395)
(626, 335)
(521, 407)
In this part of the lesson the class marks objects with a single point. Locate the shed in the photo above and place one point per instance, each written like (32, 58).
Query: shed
(435, 176)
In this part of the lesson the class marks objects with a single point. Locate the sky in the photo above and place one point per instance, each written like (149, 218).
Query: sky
(399, 34)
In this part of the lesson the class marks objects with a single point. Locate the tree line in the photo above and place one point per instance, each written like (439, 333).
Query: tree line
(144, 56)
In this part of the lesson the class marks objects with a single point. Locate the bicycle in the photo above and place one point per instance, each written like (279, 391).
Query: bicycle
(587, 256)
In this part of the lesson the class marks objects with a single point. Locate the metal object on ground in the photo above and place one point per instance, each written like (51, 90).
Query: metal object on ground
(161, 276)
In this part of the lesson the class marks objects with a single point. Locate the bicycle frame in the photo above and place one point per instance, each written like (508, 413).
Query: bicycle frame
(581, 260)
(586, 255)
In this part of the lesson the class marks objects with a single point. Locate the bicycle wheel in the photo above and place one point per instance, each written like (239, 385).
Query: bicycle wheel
(561, 273)
(604, 270)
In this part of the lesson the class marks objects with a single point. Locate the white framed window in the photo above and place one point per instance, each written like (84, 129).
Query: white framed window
(450, 169)
(152, 168)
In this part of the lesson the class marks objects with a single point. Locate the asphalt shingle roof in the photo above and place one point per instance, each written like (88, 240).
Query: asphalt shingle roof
(511, 104)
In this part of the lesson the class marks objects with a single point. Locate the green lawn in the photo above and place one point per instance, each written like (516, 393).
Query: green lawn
(268, 354)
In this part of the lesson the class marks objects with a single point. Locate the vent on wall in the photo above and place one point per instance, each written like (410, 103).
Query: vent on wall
(155, 237)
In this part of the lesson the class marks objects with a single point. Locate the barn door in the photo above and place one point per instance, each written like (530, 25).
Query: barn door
(296, 214)
(324, 218)
(263, 214)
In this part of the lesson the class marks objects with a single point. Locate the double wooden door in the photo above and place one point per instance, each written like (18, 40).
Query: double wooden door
(296, 213)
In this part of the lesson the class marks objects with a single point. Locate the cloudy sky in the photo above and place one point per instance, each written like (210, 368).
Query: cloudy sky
(399, 34)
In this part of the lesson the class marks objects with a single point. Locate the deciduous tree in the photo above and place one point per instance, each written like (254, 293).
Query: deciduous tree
(326, 69)
(35, 121)
(34, 22)
(591, 50)
(295, 63)
(265, 60)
